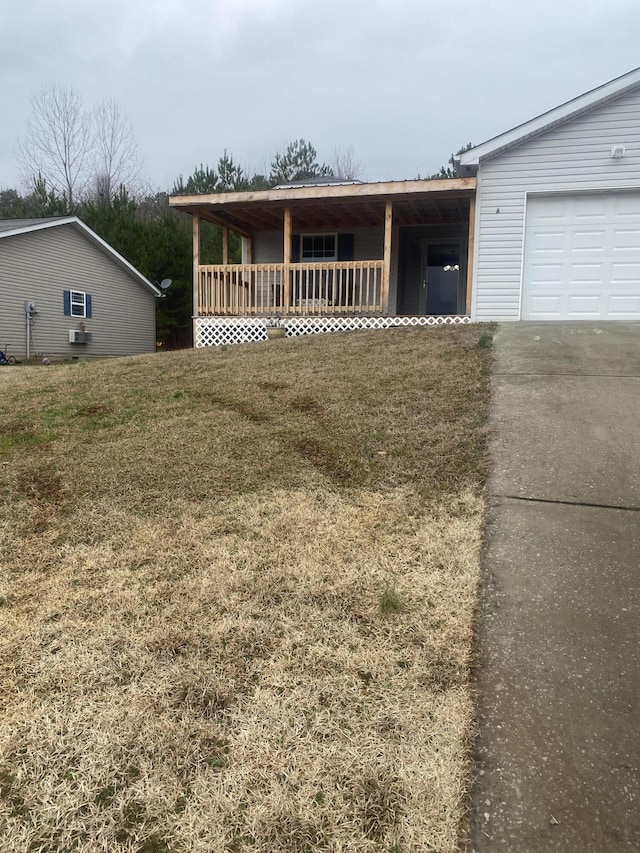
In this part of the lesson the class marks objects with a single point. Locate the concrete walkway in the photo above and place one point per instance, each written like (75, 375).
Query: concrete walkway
(559, 633)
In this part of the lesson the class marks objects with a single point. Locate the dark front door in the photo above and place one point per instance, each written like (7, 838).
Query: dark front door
(441, 276)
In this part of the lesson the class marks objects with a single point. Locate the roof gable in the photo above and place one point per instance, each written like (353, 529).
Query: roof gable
(470, 160)
(15, 227)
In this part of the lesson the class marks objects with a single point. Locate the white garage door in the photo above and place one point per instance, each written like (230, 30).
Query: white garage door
(582, 257)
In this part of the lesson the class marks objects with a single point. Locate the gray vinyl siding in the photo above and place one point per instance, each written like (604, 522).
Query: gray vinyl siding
(368, 244)
(267, 246)
(572, 157)
(40, 266)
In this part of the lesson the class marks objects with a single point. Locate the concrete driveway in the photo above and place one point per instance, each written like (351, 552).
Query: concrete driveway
(559, 631)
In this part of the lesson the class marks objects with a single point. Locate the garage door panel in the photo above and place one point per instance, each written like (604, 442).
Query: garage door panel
(626, 239)
(588, 305)
(549, 305)
(545, 273)
(588, 241)
(588, 209)
(549, 241)
(627, 273)
(576, 275)
(627, 206)
(626, 307)
(549, 220)
(582, 257)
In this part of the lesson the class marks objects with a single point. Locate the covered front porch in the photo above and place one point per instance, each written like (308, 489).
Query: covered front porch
(336, 249)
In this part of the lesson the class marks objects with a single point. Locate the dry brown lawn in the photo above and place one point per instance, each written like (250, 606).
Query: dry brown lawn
(237, 593)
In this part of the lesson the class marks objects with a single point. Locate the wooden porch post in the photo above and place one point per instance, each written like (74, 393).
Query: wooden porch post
(196, 269)
(287, 260)
(225, 244)
(472, 229)
(249, 249)
(386, 264)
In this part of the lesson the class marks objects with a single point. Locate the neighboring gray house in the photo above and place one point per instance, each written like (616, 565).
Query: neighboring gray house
(542, 223)
(64, 292)
(557, 231)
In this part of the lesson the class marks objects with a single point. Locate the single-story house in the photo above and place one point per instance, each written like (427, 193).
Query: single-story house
(66, 293)
(542, 223)
(557, 234)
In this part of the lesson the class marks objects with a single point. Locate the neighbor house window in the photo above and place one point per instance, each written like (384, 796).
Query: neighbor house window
(318, 247)
(77, 303)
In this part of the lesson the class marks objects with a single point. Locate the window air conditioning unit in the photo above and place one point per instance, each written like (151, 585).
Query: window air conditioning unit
(77, 337)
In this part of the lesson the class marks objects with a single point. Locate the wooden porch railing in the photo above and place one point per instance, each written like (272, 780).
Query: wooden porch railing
(337, 287)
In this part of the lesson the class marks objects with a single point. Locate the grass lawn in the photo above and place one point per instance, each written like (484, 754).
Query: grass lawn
(237, 596)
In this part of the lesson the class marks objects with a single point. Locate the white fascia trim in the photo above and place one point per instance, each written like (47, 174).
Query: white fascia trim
(102, 244)
(38, 226)
(558, 115)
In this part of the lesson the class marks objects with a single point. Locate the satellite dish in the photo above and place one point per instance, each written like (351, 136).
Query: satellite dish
(165, 283)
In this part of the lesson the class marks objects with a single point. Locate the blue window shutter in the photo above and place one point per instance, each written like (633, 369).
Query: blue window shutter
(67, 302)
(295, 248)
(87, 302)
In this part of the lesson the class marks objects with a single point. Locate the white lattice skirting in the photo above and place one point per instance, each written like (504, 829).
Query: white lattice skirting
(215, 331)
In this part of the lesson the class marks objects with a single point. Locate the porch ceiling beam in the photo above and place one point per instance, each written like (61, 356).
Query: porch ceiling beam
(413, 215)
(437, 212)
(302, 220)
(221, 221)
(315, 219)
(258, 219)
(402, 217)
(375, 213)
(354, 213)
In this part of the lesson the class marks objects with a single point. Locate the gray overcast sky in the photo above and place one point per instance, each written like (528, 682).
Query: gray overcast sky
(402, 82)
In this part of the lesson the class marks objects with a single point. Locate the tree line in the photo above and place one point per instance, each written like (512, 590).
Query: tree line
(85, 162)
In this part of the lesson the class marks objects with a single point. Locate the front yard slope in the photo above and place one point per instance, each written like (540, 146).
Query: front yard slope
(237, 591)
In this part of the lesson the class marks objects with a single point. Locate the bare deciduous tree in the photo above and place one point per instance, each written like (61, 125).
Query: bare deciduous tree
(344, 165)
(116, 160)
(56, 146)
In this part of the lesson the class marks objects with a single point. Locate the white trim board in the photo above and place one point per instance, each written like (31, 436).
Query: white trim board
(470, 160)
